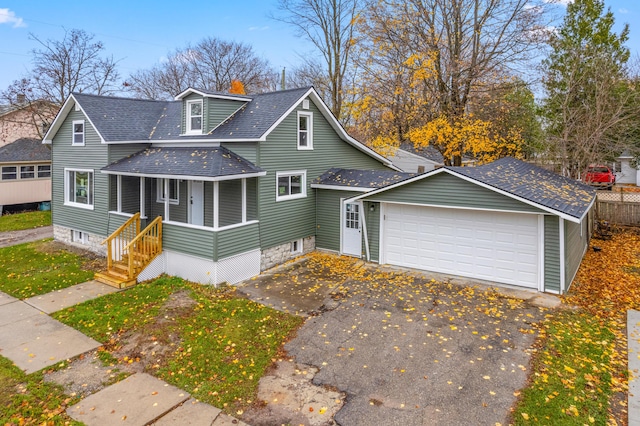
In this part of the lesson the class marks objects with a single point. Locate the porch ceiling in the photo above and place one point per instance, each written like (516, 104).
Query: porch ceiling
(199, 163)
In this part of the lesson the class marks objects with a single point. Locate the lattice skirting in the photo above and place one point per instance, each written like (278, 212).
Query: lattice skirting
(231, 269)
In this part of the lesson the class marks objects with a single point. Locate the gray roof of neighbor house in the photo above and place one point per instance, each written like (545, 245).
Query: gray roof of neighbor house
(25, 150)
(534, 184)
(369, 179)
(198, 162)
(429, 152)
(127, 119)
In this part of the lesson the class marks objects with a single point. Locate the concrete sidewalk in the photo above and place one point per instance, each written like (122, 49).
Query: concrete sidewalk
(633, 353)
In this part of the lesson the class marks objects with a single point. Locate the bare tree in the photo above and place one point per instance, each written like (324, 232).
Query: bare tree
(329, 25)
(212, 64)
(60, 67)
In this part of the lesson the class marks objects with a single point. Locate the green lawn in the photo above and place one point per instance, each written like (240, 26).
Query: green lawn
(28, 220)
(27, 399)
(36, 268)
(220, 345)
(571, 383)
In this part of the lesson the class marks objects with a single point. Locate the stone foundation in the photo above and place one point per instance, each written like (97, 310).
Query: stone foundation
(279, 254)
(93, 241)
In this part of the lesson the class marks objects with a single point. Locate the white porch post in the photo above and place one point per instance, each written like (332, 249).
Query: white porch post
(119, 193)
(216, 203)
(244, 200)
(143, 213)
(167, 197)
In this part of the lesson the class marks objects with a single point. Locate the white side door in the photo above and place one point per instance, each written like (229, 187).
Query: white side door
(352, 229)
(196, 203)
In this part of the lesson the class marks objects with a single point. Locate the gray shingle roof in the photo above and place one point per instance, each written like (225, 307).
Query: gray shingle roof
(257, 116)
(430, 153)
(534, 184)
(200, 162)
(25, 149)
(372, 179)
(127, 119)
(122, 119)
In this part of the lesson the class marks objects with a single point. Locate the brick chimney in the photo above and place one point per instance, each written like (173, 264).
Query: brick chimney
(20, 98)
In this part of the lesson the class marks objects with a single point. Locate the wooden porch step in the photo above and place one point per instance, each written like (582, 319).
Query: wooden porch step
(113, 280)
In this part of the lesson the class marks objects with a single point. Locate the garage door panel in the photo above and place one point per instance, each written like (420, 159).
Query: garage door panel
(494, 246)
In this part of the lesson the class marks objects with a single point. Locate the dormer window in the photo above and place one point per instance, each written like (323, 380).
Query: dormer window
(194, 117)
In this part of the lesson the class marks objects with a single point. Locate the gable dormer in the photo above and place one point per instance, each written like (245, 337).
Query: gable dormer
(203, 111)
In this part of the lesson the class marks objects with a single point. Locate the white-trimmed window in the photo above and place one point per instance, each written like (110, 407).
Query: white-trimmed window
(174, 191)
(79, 237)
(305, 130)
(9, 172)
(78, 133)
(291, 185)
(194, 117)
(79, 188)
(27, 172)
(44, 170)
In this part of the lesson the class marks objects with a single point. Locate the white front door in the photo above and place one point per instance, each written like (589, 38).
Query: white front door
(196, 203)
(352, 229)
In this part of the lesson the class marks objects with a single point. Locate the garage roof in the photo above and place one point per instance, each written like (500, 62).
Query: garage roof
(522, 181)
(359, 179)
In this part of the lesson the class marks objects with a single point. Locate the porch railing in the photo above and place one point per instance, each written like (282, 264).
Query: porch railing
(145, 247)
(120, 239)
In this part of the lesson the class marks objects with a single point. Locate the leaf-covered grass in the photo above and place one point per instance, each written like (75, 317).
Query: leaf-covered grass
(26, 220)
(32, 269)
(220, 345)
(27, 399)
(571, 383)
(591, 340)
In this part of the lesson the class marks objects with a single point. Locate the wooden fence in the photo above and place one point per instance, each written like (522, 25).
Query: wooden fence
(619, 207)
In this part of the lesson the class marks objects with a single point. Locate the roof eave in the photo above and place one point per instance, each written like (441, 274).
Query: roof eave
(341, 187)
(189, 90)
(186, 177)
(62, 115)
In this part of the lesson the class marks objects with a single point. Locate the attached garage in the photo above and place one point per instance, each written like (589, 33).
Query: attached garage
(500, 247)
(507, 222)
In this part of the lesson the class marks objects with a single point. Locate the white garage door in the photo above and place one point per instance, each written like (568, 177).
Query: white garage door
(501, 247)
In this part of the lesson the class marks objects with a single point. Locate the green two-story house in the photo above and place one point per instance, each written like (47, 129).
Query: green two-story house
(230, 176)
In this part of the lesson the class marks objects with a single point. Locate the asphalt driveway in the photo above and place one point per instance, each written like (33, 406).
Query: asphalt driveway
(408, 350)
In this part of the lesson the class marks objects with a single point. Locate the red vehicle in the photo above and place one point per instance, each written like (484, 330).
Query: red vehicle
(600, 176)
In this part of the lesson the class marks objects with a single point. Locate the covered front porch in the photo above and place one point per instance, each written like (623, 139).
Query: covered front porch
(204, 197)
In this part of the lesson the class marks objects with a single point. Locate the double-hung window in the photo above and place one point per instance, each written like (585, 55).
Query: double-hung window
(78, 133)
(79, 188)
(194, 117)
(174, 194)
(305, 130)
(44, 171)
(27, 172)
(9, 172)
(291, 185)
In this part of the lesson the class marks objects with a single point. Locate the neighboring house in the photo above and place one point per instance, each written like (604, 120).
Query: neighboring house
(25, 120)
(235, 184)
(628, 174)
(25, 172)
(412, 160)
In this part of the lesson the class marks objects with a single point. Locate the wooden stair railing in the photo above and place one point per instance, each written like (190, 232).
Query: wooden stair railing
(129, 251)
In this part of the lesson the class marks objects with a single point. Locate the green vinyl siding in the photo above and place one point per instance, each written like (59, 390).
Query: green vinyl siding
(551, 253)
(122, 150)
(328, 217)
(130, 194)
(372, 219)
(116, 221)
(246, 150)
(238, 240)
(177, 212)
(218, 110)
(93, 156)
(252, 199)
(208, 204)
(444, 189)
(284, 221)
(192, 241)
(576, 239)
(230, 205)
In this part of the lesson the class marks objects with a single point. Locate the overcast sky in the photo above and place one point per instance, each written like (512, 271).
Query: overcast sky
(140, 33)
